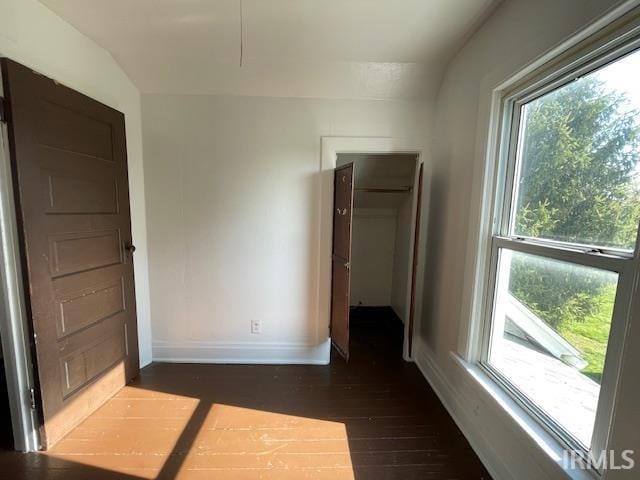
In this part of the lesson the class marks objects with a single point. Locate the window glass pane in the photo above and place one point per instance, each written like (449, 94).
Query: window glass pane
(578, 176)
(550, 331)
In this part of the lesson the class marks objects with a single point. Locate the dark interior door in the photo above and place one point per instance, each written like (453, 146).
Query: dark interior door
(69, 165)
(341, 258)
(414, 267)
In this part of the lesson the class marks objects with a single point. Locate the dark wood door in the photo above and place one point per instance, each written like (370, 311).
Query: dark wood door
(414, 267)
(341, 258)
(69, 165)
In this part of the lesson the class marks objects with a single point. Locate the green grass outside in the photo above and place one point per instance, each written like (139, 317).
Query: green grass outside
(591, 333)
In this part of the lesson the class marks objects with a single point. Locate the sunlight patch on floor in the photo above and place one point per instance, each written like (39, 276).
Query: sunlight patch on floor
(133, 433)
(146, 433)
(247, 440)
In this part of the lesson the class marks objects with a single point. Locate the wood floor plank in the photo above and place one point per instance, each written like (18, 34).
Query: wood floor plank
(372, 418)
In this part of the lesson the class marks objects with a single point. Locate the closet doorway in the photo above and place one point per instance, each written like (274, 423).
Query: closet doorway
(376, 223)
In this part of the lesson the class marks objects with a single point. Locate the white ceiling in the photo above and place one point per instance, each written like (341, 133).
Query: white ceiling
(317, 48)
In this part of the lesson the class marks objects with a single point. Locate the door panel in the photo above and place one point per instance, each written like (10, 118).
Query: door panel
(341, 258)
(80, 309)
(69, 163)
(69, 195)
(340, 308)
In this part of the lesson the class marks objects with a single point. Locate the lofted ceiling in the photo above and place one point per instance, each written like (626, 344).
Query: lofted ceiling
(307, 48)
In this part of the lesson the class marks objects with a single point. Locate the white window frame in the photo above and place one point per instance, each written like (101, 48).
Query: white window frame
(601, 48)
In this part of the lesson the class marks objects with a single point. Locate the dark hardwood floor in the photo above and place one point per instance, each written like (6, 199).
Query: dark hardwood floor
(373, 418)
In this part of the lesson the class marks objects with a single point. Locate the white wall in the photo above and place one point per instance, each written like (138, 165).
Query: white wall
(516, 34)
(233, 216)
(401, 256)
(373, 244)
(32, 35)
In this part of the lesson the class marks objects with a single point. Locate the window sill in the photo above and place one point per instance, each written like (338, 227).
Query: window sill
(528, 426)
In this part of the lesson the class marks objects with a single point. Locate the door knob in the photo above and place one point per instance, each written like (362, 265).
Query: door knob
(129, 247)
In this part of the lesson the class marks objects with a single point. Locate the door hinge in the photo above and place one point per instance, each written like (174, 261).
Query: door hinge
(32, 398)
(3, 110)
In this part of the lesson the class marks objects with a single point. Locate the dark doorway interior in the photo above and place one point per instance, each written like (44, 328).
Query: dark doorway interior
(376, 334)
(6, 430)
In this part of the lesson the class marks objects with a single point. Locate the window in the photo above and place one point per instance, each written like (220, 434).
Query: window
(564, 243)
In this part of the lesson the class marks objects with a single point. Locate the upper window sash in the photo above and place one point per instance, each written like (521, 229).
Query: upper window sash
(604, 51)
(512, 153)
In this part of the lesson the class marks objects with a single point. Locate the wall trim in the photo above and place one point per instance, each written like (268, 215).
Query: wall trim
(13, 320)
(451, 400)
(242, 353)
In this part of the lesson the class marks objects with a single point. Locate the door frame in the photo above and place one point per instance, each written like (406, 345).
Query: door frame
(330, 148)
(14, 328)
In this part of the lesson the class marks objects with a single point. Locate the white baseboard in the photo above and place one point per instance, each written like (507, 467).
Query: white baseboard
(242, 353)
(461, 415)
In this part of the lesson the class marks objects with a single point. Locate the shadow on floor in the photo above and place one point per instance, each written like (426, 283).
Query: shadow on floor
(372, 418)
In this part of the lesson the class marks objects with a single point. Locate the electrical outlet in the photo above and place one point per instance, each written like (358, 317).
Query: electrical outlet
(256, 326)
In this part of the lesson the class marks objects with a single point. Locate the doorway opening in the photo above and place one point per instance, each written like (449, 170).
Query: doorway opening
(375, 274)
